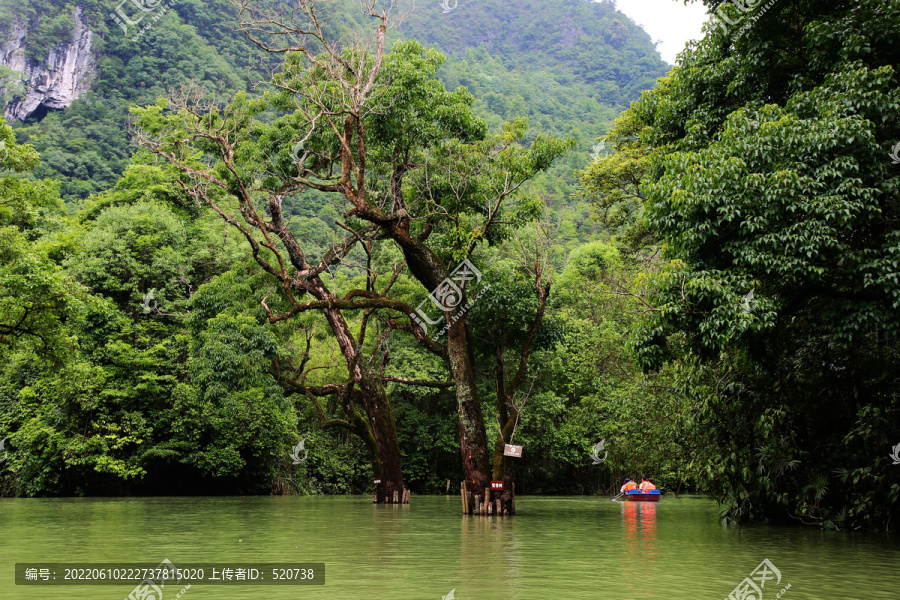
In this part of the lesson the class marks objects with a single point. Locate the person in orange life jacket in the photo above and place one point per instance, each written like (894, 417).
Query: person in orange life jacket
(629, 485)
(646, 485)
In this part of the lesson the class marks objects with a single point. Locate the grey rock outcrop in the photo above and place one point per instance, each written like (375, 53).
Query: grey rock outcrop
(56, 82)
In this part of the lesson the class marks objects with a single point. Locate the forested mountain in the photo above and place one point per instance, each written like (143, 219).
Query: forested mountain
(553, 78)
(87, 145)
(587, 48)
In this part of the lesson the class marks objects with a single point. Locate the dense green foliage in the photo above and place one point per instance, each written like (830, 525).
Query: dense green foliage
(763, 168)
(178, 383)
(723, 280)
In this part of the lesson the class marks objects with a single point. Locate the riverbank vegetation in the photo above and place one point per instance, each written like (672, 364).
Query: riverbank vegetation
(713, 295)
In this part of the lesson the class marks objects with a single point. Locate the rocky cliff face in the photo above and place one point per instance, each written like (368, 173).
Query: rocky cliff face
(59, 80)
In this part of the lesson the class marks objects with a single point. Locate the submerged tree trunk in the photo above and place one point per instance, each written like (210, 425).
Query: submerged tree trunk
(430, 271)
(369, 393)
(364, 389)
(373, 398)
(472, 435)
(374, 426)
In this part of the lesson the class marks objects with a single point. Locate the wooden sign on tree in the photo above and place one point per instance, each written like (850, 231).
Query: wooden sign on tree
(511, 450)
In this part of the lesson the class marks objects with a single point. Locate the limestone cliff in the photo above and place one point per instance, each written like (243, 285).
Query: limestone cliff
(56, 82)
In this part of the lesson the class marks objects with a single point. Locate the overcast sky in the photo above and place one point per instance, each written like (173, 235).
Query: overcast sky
(669, 22)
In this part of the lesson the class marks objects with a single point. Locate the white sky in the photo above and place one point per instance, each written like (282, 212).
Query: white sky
(669, 22)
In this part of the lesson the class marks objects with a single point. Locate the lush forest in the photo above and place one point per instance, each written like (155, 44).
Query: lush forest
(394, 236)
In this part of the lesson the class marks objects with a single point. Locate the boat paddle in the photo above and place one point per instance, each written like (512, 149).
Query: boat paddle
(617, 497)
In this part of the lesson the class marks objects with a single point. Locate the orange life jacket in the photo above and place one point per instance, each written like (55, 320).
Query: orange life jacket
(646, 486)
(629, 486)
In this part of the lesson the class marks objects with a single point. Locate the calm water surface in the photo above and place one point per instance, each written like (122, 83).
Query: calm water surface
(556, 548)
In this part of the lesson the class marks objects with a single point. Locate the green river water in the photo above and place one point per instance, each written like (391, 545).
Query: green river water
(556, 547)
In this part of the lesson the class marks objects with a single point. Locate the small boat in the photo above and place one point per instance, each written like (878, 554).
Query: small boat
(639, 496)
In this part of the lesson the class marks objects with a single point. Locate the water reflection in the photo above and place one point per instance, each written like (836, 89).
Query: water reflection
(488, 553)
(641, 554)
(570, 548)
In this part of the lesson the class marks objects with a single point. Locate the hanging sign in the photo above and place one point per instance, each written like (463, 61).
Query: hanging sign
(377, 482)
(510, 450)
(496, 485)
